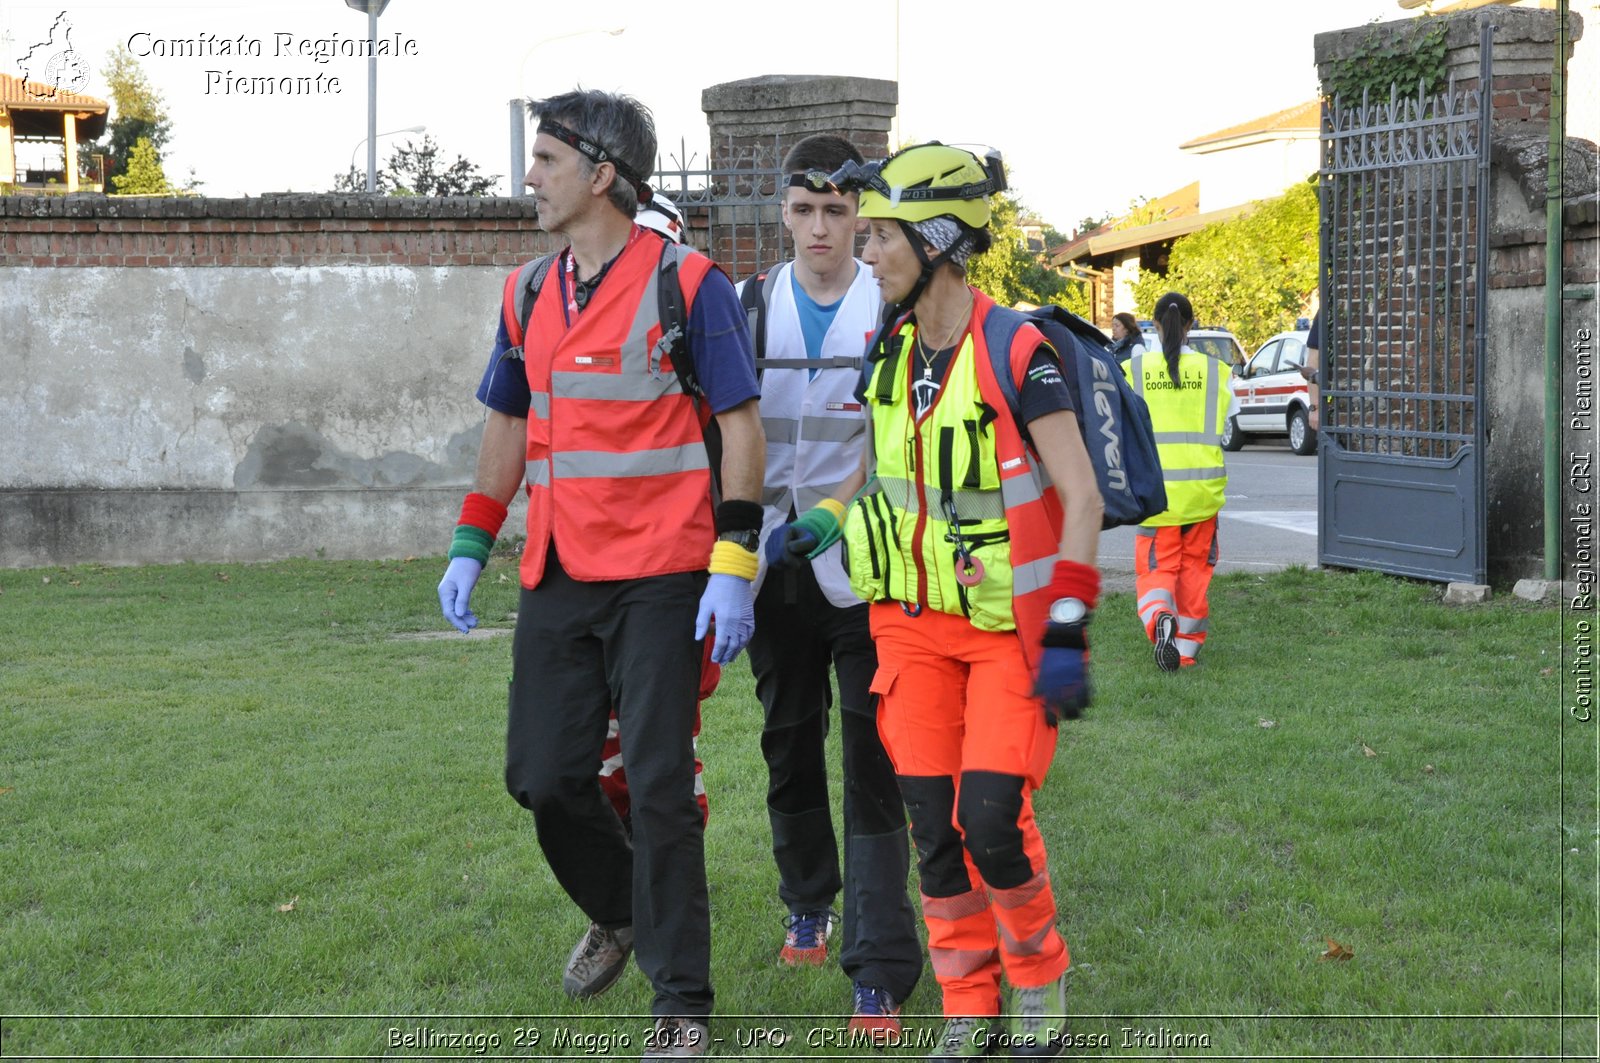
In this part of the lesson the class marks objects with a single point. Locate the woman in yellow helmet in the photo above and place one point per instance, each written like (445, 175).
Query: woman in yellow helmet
(982, 580)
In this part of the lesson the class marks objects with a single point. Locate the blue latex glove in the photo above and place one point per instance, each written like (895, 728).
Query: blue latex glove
(729, 607)
(812, 532)
(455, 593)
(1063, 679)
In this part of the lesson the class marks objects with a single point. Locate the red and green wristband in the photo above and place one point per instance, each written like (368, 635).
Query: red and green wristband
(477, 527)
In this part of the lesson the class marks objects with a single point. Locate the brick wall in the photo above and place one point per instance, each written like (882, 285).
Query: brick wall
(289, 230)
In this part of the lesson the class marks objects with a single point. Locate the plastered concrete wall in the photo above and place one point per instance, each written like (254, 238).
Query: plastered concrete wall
(243, 410)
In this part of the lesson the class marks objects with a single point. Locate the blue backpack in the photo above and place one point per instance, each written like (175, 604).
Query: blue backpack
(1114, 421)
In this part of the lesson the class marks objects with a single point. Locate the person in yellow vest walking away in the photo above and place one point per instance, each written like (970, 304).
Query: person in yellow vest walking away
(1175, 552)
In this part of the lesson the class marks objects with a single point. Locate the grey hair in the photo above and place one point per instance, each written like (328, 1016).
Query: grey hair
(620, 124)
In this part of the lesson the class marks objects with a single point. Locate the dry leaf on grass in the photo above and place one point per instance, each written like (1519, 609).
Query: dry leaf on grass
(223, 577)
(1336, 951)
(4, 790)
(290, 906)
(1264, 722)
(1427, 769)
(1368, 751)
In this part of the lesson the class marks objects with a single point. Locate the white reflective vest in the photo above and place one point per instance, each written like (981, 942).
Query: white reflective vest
(816, 427)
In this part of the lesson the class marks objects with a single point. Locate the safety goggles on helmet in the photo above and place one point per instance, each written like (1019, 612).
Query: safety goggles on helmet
(596, 154)
(855, 176)
(815, 181)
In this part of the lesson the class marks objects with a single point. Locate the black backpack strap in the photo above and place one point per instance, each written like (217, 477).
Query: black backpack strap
(755, 297)
(530, 280)
(674, 316)
(999, 329)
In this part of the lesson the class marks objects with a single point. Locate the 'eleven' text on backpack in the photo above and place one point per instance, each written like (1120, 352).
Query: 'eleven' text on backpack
(1114, 421)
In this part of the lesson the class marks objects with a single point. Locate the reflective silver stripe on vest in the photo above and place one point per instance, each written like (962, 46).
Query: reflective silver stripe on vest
(639, 376)
(780, 429)
(539, 405)
(831, 429)
(808, 363)
(579, 464)
(1020, 490)
(773, 496)
(1025, 579)
(807, 497)
(537, 472)
(1137, 372)
(1213, 376)
(1212, 473)
(970, 505)
(1204, 439)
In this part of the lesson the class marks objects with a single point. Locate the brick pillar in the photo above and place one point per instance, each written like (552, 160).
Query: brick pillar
(753, 122)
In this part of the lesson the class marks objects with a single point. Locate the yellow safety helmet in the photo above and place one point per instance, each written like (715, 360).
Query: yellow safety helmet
(926, 181)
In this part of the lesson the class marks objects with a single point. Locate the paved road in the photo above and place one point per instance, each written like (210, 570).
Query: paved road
(1269, 522)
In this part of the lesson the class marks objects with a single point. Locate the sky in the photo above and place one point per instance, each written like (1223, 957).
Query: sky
(1063, 88)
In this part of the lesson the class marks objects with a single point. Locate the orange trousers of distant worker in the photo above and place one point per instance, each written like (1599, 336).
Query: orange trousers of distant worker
(969, 744)
(1172, 568)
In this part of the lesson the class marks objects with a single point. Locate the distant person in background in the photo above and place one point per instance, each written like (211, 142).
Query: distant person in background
(1175, 551)
(1312, 371)
(1126, 340)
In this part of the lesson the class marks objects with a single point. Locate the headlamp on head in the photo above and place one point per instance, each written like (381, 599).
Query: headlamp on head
(815, 181)
(926, 181)
(596, 154)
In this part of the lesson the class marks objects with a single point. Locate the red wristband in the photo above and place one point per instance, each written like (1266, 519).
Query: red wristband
(1073, 579)
(481, 511)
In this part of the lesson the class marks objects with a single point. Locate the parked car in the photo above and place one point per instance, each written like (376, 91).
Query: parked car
(1273, 396)
(1217, 342)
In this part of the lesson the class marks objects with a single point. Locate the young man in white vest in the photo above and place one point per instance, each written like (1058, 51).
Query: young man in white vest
(811, 319)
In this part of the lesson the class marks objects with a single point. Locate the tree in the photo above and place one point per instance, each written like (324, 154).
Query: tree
(414, 171)
(1252, 273)
(140, 115)
(1009, 273)
(143, 174)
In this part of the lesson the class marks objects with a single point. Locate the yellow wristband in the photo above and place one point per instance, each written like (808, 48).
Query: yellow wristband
(834, 506)
(731, 559)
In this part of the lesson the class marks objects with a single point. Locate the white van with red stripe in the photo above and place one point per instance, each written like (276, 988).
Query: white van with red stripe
(1273, 397)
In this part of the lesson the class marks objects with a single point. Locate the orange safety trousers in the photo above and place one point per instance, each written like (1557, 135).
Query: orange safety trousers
(968, 740)
(1173, 566)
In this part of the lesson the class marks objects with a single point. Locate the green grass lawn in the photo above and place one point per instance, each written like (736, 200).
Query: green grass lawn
(242, 814)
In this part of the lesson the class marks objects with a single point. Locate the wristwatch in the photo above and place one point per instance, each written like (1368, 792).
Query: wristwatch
(1068, 611)
(749, 540)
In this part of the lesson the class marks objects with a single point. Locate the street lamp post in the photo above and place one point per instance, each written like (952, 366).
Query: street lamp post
(518, 107)
(372, 182)
(373, 8)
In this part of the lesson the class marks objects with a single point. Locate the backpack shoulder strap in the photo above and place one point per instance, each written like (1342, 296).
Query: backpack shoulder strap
(522, 291)
(1000, 327)
(673, 311)
(755, 296)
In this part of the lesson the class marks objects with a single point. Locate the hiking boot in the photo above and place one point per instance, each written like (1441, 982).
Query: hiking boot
(597, 961)
(1038, 1018)
(963, 1037)
(875, 1012)
(676, 1037)
(1167, 657)
(807, 939)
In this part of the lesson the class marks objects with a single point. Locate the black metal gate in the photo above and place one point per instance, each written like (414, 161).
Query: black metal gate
(733, 203)
(1404, 242)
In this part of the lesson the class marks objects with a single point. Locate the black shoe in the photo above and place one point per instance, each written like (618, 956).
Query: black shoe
(1167, 657)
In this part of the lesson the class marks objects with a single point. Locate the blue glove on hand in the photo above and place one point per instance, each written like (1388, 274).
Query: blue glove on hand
(1063, 679)
(811, 533)
(729, 606)
(455, 593)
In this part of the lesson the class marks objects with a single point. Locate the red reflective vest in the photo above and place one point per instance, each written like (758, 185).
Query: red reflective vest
(617, 471)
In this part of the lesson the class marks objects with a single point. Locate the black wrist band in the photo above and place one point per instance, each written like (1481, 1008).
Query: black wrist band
(737, 515)
(1066, 636)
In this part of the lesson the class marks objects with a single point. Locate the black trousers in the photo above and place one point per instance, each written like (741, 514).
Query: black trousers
(579, 648)
(799, 635)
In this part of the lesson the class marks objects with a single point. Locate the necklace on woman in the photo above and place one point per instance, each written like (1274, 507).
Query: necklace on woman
(922, 348)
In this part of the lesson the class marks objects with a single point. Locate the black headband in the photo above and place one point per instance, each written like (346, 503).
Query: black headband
(596, 154)
(814, 181)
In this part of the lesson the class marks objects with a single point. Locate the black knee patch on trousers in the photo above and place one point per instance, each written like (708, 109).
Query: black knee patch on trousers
(930, 804)
(989, 812)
